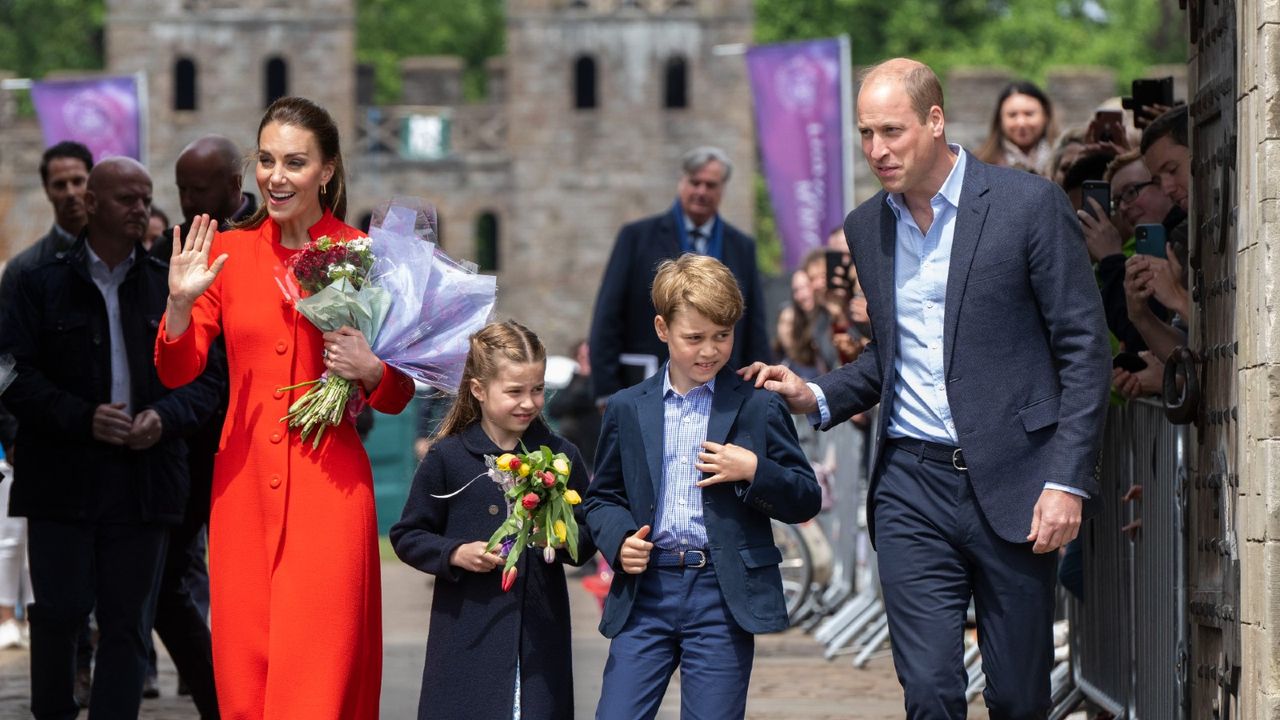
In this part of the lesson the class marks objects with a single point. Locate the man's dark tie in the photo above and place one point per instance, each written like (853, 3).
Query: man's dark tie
(699, 241)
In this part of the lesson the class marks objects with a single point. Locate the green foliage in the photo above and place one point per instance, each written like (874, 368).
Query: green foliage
(1026, 36)
(388, 30)
(768, 243)
(37, 36)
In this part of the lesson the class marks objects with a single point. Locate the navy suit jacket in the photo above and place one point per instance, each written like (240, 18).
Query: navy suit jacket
(628, 481)
(623, 318)
(1025, 344)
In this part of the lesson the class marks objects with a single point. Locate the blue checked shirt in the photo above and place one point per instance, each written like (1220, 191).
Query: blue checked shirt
(679, 525)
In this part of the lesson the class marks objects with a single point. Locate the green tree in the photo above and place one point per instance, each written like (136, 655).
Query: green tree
(388, 30)
(38, 36)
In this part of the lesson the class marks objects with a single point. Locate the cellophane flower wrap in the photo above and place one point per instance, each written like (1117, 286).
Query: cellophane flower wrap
(415, 305)
(332, 275)
(539, 507)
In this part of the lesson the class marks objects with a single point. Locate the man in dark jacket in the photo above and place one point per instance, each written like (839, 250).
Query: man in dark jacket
(209, 176)
(102, 469)
(624, 348)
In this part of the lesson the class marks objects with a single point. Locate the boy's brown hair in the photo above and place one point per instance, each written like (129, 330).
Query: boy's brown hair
(697, 282)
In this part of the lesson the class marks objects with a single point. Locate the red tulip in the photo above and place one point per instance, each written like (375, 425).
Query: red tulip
(508, 578)
(548, 479)
(515, 464)
(529, 501)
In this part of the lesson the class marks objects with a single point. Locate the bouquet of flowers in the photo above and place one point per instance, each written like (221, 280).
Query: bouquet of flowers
(415, 305)
(334, 274)
(539, 507)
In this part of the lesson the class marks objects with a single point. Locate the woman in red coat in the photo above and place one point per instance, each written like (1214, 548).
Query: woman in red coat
(296, 599)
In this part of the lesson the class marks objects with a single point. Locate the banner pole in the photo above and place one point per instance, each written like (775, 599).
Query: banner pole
(847, 119)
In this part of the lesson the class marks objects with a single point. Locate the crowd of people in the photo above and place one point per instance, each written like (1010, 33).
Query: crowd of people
(150, 361)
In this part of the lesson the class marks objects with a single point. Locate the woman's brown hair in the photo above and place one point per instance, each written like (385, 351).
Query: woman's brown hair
(302, 113)
(492, 344)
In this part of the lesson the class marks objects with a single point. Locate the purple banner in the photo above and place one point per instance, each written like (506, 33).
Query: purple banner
(799, 124)
(101, 112)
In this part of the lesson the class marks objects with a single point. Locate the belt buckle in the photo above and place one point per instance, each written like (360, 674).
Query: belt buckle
(957, 459)
(702, 558)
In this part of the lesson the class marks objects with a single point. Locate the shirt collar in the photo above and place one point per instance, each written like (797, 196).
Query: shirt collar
(98, 266)
(951, 187)
(668, 388)
(690, 226)
(65, 238)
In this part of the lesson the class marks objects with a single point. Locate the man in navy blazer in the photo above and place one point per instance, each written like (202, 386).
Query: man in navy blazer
(692, 464)
(990, 361)
(623, 347)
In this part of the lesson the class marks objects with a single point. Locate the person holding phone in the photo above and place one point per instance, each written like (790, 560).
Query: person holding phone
(1021, 128)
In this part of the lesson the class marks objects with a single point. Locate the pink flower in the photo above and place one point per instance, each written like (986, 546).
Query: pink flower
(548, 479)
(508, 578)
(529, 501)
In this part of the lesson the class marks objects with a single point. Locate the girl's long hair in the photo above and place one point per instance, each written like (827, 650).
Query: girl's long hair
(494, 343)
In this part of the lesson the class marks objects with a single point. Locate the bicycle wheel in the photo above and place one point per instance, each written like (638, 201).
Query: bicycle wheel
(796, 566)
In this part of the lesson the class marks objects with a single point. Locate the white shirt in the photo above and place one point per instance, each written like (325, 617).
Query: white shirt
(108, 281)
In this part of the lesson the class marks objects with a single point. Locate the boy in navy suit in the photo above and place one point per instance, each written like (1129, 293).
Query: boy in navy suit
(692, 464)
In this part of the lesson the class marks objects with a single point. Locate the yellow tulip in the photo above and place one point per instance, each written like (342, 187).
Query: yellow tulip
(524, 470)
(504, 461)
(561, 531)
(572, 497)
(561, 466)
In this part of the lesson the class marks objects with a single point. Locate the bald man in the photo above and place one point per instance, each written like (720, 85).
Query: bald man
(990, 362)
(102, 472)
(209, 174)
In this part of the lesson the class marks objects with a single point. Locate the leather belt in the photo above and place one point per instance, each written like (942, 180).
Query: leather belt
(936, 452)
(680, 558)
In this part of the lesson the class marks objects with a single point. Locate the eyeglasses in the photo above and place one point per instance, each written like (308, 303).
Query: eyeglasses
(1130, 193)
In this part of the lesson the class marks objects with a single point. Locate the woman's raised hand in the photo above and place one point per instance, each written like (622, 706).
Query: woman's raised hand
(190, 272)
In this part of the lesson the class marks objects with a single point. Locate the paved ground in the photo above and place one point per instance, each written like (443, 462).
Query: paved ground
(791, 681)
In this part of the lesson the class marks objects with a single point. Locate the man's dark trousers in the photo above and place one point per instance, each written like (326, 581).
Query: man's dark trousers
(112, 569)
(936, 551)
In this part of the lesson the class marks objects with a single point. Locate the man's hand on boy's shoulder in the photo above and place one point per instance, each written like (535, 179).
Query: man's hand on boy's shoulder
(779, 379)
(634, 553)
(726, 463)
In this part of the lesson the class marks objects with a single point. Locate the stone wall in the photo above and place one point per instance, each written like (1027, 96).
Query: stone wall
(1258, 328)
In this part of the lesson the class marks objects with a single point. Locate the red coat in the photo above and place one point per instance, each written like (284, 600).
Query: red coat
(293, 559)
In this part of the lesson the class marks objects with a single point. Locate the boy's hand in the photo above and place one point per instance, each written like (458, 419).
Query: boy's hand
(635, 552)
(729, 463)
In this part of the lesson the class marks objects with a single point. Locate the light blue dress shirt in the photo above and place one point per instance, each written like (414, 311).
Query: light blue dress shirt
(679, 524)
(922, 260)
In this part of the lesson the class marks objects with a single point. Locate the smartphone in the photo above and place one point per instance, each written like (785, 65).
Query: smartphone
(1128, 361)
(1149, 239)
(1151, 91)
(838, 264)
(1108, 124)
(1099, 190)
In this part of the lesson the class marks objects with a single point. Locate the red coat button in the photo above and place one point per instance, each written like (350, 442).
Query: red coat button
(278, 394)
(275, 481)
(276, 437)
(281, 347)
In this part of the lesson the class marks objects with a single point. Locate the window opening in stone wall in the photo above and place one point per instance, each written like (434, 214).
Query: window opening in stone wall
(184, 84)
(676, 87)
(487, 241)
(584, 83)
(277, 79)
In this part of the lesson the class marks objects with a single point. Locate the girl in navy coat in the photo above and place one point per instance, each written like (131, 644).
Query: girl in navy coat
(480, 637)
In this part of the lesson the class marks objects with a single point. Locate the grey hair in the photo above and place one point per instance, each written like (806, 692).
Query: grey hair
(695, 159)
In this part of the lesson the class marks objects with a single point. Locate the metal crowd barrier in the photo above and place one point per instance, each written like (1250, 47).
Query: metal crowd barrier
(1129, 633)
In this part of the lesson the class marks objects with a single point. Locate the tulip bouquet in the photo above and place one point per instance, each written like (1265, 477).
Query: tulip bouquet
(539, 507)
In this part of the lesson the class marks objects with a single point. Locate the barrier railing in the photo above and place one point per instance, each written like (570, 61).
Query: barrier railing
(1129, 632)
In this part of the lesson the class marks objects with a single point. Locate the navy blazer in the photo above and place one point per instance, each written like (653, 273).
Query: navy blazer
(1025, 346)
(623, 318)
(628, 479)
